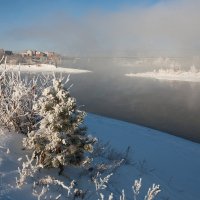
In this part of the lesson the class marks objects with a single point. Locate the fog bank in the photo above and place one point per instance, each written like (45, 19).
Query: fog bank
(167, 28)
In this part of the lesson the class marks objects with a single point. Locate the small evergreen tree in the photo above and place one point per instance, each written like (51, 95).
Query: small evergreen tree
(61, 138)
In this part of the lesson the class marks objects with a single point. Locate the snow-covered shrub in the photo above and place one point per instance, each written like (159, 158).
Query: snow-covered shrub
(29, 169)
(2, 58)
(61, 138)
(108, 159)
(47, 184)
(16, 102)
(136, 188)
(102, 183)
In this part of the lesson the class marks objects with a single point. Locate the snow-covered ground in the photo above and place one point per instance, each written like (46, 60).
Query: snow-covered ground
(41, 68)
(170, 74)
(157, 157)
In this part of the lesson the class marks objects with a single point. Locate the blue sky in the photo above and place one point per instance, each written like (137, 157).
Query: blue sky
(21, 12)
(101, 25)
(16, 14)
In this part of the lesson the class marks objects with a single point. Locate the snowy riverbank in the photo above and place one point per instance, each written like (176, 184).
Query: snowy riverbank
(170, 75)
(41, 68)
(157, 158)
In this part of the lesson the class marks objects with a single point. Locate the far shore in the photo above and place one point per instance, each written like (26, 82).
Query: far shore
(41, 68)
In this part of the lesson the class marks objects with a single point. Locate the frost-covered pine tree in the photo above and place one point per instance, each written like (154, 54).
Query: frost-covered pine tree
(61, 138)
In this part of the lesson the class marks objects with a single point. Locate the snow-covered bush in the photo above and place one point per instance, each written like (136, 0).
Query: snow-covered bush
(102, 183)
(29, 169)
(16, 102)
(61, 138)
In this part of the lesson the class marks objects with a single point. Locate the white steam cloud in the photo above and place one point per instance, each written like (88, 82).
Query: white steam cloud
(169, 27)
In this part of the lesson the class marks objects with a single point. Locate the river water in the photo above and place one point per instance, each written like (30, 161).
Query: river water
(169, 106)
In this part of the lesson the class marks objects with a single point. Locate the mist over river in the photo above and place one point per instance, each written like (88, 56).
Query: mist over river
(169, 106)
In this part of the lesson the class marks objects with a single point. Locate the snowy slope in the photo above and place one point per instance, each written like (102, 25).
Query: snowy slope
(176, 162)
(159, 158)
(41, 68)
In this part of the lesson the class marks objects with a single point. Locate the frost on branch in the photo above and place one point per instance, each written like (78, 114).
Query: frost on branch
(61, 138)
(16, 103)
(152, 192)
(50, 181)
(53, 188)
(29, 168)
(101, 184)
(136, 188)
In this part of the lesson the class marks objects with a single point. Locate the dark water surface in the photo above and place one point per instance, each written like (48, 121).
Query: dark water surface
(169, 106)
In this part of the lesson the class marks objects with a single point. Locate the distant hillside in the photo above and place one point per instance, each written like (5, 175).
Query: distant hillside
(30, 57)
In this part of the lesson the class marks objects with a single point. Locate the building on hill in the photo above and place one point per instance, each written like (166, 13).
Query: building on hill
(8, 53)
(40, 57)
(29, 53)
(50, 54)
(40, 54)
